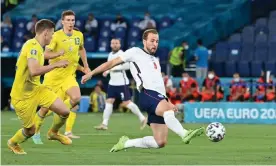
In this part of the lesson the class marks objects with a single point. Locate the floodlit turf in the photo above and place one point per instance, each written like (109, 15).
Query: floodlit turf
(243, 144)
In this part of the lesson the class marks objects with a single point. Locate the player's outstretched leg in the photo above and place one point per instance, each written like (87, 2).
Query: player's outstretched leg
(106, 114)
(166, 110)
(60, 116)
(158, 140)
(135, 110)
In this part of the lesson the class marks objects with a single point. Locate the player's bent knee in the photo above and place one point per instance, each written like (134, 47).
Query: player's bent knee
(30, 131)
(161, 143)
(75, 99)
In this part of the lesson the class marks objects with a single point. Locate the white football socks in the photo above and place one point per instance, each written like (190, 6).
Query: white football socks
(145, 142)
(135, 110)
(173, 124)
(107, 113)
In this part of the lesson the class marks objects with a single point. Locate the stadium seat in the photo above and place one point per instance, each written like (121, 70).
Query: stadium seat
(105, 32)
(272, 14)
(221, 51)
(21, 23)
(271, 66)
(256, 68)
(17, 44)
(235, 38)
(218, 67)
(261, 26)
(261, 54)
(120, 33)
(103, 45)
(134, 22)
(234, 51)
(164, 22)
(248, 35)
(230, 68)
(247, 52)
(90, 44)
(243, 68)
(105, 22)
(261, 40)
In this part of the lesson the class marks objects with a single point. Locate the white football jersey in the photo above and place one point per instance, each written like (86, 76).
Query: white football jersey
(145, 69)
(118, 75)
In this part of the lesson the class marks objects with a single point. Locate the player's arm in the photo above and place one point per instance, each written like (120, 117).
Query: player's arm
(49, 54)
(36, 69)
(124, 57)
(103, 67)
(83, 56)
(124, 66)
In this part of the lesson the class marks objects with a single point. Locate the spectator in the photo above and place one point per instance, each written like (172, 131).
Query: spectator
(97, 99)
(118, 23)
(167, 81)
(238, 89)
(211, 89)
(265, 89)
(91, 26)
(6, 23)
(4, 45)
(31, 24)
(147, 23)
(31, 28)
(177, 59)
(189, 88)
(201, 57)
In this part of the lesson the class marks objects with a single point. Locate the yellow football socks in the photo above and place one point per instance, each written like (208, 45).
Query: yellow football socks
(70, 122)
(18, 137)
(38, 122)
(58, 122)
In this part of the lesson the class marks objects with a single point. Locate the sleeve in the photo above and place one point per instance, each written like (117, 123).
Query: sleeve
(81, 40)
(32, 53)
(128, 55)
(124, 66)
(52, 44)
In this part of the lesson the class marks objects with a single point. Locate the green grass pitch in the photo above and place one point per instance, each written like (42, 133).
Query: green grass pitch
(243, 144)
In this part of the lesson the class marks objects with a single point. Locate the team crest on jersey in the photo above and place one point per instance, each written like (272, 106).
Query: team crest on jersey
(161, 96)
(77, 41)
(33, 52)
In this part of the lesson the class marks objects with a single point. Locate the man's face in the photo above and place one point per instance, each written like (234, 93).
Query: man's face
(68, 22)
(48, 35)
(151, 43)
(115, 45)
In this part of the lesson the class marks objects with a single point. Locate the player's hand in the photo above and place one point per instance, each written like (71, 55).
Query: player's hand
(61, 52)
(105, 73)
(62, 63)
(85, 78)
(86, 70)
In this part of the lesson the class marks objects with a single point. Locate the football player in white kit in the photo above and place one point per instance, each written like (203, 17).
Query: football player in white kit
(118, 87)
(161, 112)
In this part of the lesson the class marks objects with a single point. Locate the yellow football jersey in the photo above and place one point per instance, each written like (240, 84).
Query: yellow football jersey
(70, 45)
(24, 85)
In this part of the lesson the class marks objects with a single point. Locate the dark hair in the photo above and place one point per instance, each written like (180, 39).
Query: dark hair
(43, 24)
(147, 32)
(199, 42)
(67, 13)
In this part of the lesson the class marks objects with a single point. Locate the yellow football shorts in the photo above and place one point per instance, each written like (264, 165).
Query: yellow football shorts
(26, 109)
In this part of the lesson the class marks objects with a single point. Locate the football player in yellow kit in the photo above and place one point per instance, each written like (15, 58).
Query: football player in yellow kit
(67, 44)
(28, 93)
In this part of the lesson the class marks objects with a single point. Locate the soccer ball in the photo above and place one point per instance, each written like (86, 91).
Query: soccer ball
(215, 131)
